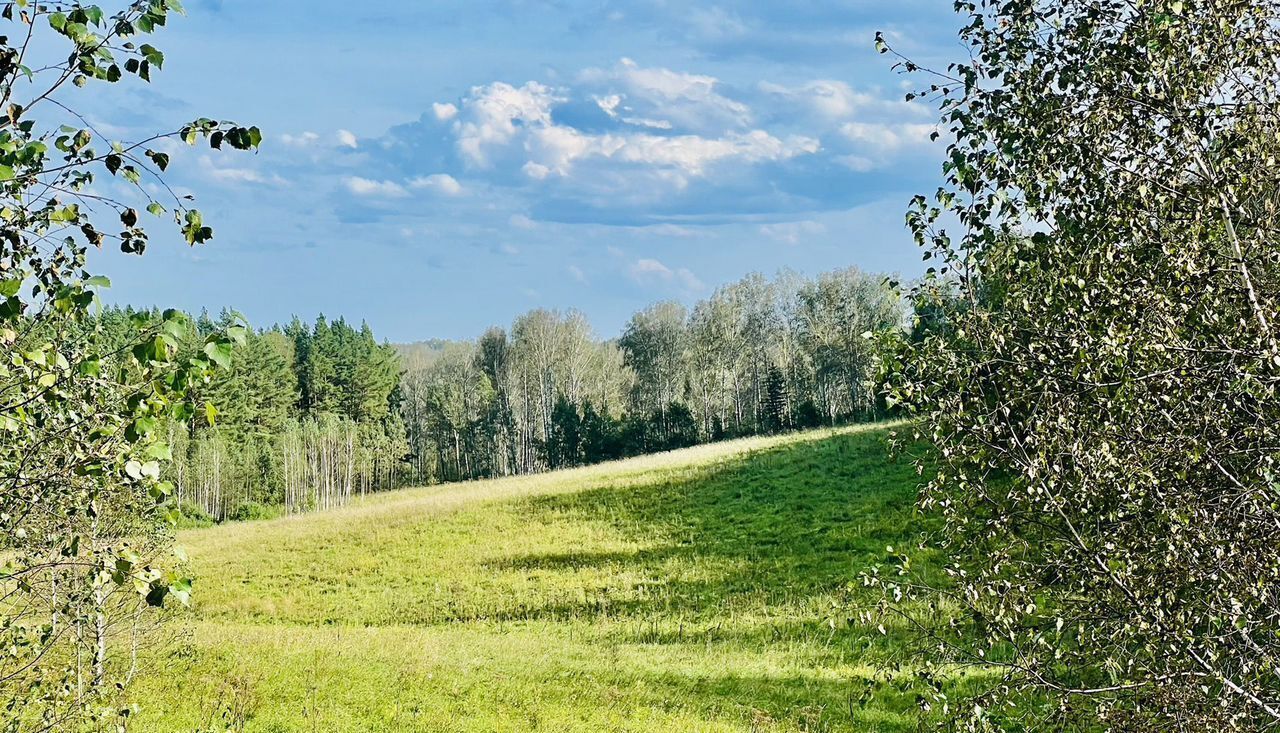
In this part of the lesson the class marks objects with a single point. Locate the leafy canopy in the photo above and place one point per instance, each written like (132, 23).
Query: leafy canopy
(1098, 366)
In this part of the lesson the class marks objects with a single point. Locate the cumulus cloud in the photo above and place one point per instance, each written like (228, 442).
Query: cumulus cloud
(347, 139)
(637, 145)
(441, 183)
(502, 120)
(493, 115)
(374, 189)
(444, 112)
(663, 98)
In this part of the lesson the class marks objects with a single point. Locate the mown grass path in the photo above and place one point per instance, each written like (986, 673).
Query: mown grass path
(702, 590)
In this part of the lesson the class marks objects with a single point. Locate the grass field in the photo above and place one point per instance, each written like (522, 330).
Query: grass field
(702, 590)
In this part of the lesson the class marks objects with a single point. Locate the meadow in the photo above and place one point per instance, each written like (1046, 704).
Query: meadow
(709, 589)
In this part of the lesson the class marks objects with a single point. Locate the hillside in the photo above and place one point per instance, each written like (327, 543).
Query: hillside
(700, 590)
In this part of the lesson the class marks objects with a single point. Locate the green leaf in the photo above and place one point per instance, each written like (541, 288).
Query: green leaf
(219, 352)
(152, 54)
(160, 451)
(65, 214)
(181, 590)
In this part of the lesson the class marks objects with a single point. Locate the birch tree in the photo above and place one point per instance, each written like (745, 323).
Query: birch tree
(83, 536)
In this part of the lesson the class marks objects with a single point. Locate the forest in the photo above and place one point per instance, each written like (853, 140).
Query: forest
(309, 415)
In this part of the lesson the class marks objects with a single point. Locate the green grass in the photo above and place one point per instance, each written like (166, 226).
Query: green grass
(702, 590)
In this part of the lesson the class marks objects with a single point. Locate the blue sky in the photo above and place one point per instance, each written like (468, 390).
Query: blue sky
(435, 168)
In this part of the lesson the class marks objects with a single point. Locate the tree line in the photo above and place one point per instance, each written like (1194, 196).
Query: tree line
(308, 416)
(305, 417)
(757, 356)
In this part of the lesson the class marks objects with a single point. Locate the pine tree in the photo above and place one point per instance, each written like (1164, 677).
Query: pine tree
(775, 411)
(564, 443)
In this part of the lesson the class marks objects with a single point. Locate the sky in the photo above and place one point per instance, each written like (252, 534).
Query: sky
(435, 168)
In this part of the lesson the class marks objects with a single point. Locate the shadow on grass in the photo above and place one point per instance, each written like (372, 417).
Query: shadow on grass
(762, 552)
(774, 532)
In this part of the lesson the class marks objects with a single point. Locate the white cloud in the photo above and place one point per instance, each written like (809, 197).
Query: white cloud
(503, 123)
(375, 189)
(556, 148)
(663, 145)
(609, 104)
(493, 115)
(301, 140)
(693, 154)
(576, 273)
(646, 267)
(347, 139)
(520, 221)
(444, 112)
(441, 183)
(886, 138)
(660, 97)
(648, 271)
(226, 174)
(536, 171)
(837, 101)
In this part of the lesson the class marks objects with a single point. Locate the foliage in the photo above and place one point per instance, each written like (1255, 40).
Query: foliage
(82, 509)
(1101, 368)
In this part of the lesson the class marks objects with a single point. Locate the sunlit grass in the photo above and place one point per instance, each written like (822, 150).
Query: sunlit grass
(701, 590)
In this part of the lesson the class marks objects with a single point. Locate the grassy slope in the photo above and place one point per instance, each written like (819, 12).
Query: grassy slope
(703, 590)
